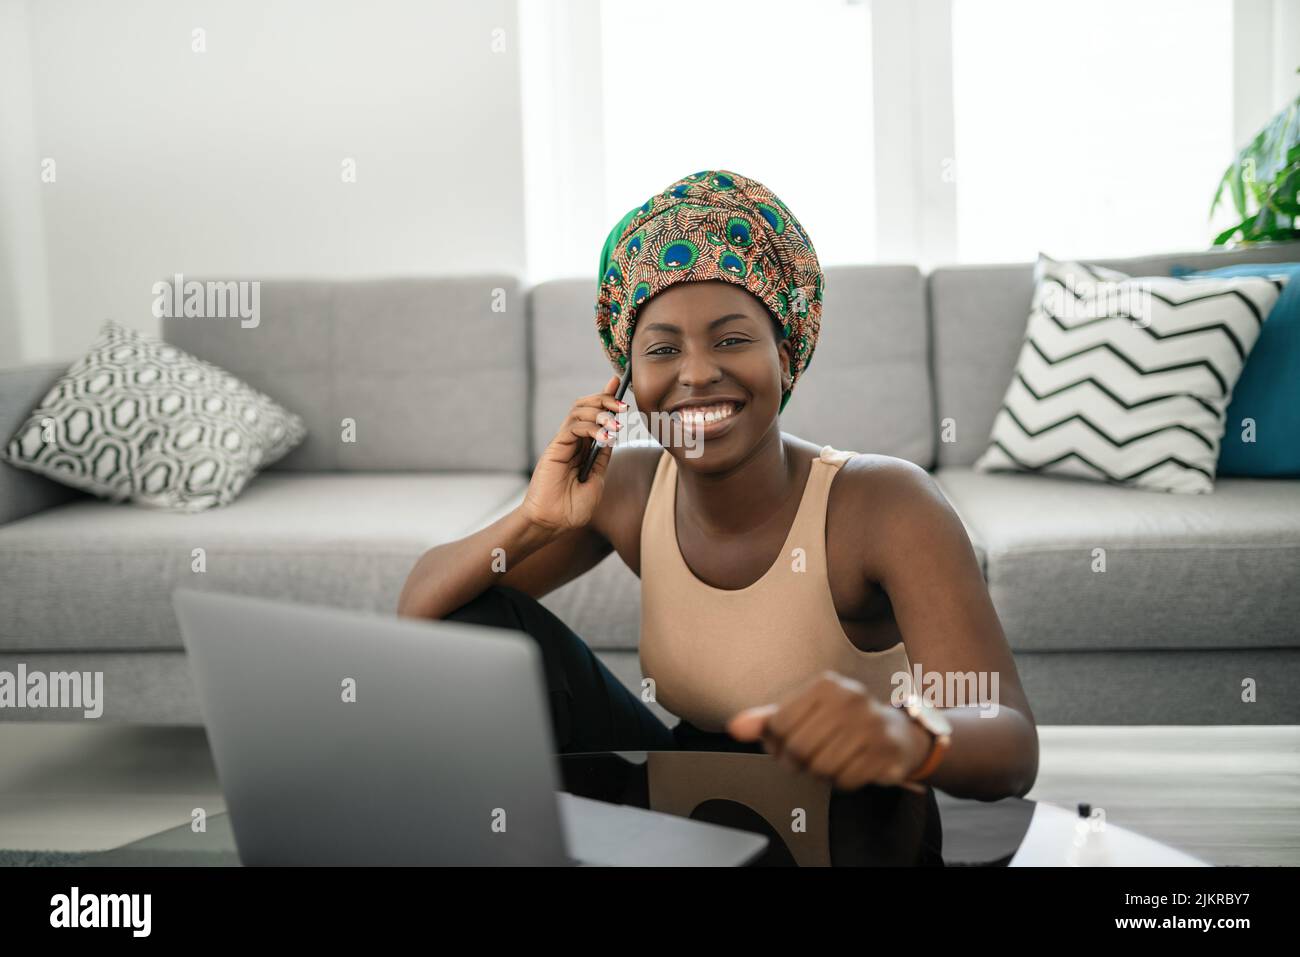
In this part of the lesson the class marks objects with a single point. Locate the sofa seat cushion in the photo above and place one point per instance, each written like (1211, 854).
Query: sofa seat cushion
(1208, 571)
(97, 575)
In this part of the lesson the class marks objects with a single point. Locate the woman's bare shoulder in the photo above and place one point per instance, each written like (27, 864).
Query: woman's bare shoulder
(896, 508)
(873, 483)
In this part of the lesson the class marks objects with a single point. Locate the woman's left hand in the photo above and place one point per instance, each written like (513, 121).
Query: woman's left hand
(835, 730)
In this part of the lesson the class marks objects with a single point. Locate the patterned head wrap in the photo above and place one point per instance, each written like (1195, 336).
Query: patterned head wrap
(713, 224)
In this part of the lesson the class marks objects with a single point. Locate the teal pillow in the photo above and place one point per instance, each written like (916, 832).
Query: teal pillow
(1269, 388)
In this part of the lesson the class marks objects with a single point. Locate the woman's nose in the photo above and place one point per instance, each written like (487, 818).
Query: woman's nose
(698, 367)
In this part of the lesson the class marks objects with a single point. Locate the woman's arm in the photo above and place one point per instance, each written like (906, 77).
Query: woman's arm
(919, 552)
(532, 559)
(552, 536)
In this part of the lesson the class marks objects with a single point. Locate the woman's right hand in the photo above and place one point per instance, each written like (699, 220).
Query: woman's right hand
(555, 499)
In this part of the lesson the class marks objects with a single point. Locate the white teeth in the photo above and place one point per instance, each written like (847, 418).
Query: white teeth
(702, 415)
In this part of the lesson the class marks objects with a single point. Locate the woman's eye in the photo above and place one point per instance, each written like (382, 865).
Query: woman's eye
(660, 350)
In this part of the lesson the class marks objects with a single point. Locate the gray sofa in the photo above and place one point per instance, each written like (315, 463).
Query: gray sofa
(454, 399)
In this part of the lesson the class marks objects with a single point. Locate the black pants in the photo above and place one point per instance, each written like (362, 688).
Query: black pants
(591, 710)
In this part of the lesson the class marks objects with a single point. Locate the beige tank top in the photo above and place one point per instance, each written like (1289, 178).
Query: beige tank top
(715, 651)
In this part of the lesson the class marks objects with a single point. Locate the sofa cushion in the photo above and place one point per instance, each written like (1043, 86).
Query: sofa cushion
(1126, 380)
(22, 492)
(866, 388)
(95, 575)
(977, 316)
(137, 419)
(1267, 396)
(432, 371)
(868, 385)
(1205, 571)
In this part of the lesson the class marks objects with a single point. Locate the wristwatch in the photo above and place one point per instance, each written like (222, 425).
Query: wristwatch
(933, 721)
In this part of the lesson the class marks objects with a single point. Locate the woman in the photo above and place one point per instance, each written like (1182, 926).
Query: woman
(789, 590)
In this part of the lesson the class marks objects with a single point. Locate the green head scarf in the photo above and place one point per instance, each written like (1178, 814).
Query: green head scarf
(711, 225)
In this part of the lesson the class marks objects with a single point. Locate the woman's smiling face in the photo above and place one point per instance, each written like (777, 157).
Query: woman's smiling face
(715, 346)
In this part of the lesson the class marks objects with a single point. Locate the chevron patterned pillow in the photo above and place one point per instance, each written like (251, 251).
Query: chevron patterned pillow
(1126, 379)
(137, 419)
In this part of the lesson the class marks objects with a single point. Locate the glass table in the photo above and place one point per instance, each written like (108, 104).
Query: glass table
(807, 822)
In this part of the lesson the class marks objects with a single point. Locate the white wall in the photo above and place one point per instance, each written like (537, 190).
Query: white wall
(24, 305)
(228, 163)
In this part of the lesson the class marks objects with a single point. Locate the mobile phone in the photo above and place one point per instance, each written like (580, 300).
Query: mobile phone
(592, 452)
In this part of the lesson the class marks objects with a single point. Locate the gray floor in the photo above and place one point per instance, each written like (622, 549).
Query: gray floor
(1229, 795)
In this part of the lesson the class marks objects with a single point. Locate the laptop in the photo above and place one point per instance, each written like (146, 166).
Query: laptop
(347, 738)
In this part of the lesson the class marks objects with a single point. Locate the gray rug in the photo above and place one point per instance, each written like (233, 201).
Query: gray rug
(120, 857)
(41, 858)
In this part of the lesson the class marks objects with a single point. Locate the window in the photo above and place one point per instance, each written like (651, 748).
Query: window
(1089, 127)
(774, 90)
(970, 130)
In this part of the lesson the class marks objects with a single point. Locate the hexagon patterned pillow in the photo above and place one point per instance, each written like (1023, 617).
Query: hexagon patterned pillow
(137, 419)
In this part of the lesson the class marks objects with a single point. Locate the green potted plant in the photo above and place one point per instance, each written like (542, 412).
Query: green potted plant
(1263, 182)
